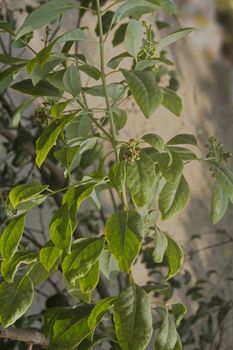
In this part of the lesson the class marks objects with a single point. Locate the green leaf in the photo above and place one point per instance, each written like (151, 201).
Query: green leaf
(43, 15)
(108, 265)
(219, 203)
(43, 88)
(148, 63)
(120, 118)
(6, 27)
(10, 266)
(132, 318)
(20, 110)
(160, 246)
(115, 61)
(68, 156)
(173, 198)
(179, 310)
(70, 329)
(171, 166)
(61, 228)
(117, 175)
(71, 81)
(39, 275)
(73, 35)
(88, 282)
(144, 89)
(10, 60)
(99, 310)
(167, 336)
(84, 254)
(183, 139)
(140, 179)
(173, 37)
(48, 138)
(172, 101)
(23, 193)
(154, 141)
(175, 256)
(133, 8)
(48, 255)
(167, 5)
(91, 71)
(224, 176)
(11, 237)
(133, 37)
(15, 298)
(124, 232)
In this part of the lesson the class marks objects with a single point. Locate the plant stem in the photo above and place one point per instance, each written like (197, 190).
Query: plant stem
(103, 78)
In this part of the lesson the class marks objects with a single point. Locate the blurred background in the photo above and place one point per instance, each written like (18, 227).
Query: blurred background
(204, 79)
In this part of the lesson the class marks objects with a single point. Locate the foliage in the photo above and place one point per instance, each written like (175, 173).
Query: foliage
(144, 177)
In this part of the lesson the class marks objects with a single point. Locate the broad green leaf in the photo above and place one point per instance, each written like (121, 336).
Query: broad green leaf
(133, 8)
(172, 101)
(61, 228)
(80, 127)
(48, 138)
(175, 256)
(88, 282)
(73, 35)
(144, 89)
(11, 237)
(184, 153)
(48, 255)
(43, 88)
(183, 139)
(71, 81)
(133, 37)
(23, 193)
(108, 265)
(56, 80)
(167, 337)
(154, 141)
(160, 246)
(15, 298)
(178, 310)
(99, 310)
(173, 37)
(84, 254)
(173, 198)
(124, 232)
(73, 289)
(43, 15)
(219, 203)
(224, 176)
(171, 166)
(120, 118)
(69, 331)
(140, 178)
(67, 157)
(132, 318)
(20, 110)
(117, 175)
(39, 275)
(115, 61)
(10, 266)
